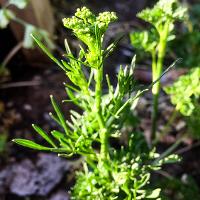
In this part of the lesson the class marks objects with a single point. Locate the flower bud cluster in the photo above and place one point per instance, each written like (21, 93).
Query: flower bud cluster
(105, 18)
(84, 22)
(163, 11)
(90, 29)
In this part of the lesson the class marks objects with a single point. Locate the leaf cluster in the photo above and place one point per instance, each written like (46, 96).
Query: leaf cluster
(185, 92)
(162, 17)
(185, 95)
(129, 171)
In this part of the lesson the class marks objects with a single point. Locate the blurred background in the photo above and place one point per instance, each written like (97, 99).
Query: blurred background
(28, 77)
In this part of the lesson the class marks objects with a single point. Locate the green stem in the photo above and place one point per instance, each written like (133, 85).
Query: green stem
(154, 116)
(103, 131)
(153, 55)
(157, 71)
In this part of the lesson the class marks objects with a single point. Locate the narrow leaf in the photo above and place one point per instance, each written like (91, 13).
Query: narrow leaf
(30, 144)
(58, 135)
(72, 97)
(48, 53)
(59, 114)
(67, 47)
(60, 150)
(55, 118)
(43, 134)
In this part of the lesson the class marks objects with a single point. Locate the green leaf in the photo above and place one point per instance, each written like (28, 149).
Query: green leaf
(59, 114)
(132, 67)
(146, 40)
(60, 150)
(47, 52)
(55, 118)
(46, 37)
(185, 91)
(42, 35)
(43, 134)
(58, 135)
(72, 97)
(68, 50)
(65, 142)
(21, 4)
(30, 144)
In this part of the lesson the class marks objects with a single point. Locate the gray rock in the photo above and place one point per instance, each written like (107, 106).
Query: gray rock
(27, 178)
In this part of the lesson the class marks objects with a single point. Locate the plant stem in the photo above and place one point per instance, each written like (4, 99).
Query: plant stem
(103, 131)
(157, 70)
(153, 55)
(154, 116)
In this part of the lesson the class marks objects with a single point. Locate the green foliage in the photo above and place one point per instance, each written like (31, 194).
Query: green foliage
(185, 95)
(109, 173)
(161, 17)
(129, 171)
(185, 92)
(145, 40)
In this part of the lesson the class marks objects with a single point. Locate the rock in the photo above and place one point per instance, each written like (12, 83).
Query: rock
(24, 179)
(28, 178)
